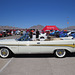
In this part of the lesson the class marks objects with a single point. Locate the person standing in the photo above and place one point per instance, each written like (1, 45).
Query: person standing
(37, 33)
(31, 34)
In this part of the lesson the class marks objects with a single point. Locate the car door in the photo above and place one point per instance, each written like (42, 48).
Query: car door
(23, 46)
(39, 47)
(34, 47)
(29, 47)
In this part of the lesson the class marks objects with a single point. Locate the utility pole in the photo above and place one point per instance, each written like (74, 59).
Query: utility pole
(67, 22)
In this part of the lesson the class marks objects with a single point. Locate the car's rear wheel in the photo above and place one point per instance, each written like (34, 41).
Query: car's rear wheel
(60, 53)
(4, 52)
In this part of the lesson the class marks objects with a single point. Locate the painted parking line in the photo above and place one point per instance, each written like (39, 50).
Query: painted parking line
(5, 65)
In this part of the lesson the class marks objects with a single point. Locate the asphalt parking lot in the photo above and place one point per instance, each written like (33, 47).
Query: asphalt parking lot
(41, 64)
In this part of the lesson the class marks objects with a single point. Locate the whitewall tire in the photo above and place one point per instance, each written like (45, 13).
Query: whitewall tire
(4, 52)
(60, 53)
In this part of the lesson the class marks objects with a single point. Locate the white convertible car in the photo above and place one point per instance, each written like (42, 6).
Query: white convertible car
(24, 45)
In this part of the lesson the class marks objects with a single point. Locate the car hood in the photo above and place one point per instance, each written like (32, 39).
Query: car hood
(8, 41)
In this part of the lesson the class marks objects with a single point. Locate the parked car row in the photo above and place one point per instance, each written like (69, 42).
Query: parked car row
(63, 33)
(5, 33)
(1, 34)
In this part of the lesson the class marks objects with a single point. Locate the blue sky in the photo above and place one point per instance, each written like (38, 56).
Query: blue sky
(27, 13)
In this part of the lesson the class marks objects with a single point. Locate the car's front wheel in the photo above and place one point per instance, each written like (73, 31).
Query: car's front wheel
(60, 53)
(4, 52)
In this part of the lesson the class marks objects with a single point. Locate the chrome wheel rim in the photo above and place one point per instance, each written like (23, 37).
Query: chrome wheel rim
(4, 53)
(61, 53)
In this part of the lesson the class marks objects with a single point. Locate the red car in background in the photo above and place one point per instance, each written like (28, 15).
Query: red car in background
(1, 34)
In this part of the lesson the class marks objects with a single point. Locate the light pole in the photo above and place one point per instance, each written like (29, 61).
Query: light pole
(67, 22)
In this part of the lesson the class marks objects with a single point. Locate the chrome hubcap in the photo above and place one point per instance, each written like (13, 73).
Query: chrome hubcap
(4, 52)
(60, 52)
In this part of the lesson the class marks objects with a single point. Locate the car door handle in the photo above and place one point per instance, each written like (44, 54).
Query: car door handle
(38, 42)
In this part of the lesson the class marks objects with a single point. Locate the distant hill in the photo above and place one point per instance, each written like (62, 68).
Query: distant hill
(8, 27)
(39, 27)
(69, 28)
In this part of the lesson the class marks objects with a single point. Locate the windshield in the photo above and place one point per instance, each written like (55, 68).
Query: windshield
(25, 37)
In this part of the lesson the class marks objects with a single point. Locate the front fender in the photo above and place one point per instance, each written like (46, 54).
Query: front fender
(13, 49)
